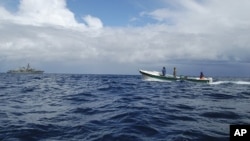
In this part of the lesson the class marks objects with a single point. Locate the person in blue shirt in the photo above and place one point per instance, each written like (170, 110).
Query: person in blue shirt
(163, 71)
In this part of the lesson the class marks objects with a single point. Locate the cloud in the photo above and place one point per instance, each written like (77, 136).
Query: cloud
(46, 32)
(93, 22)
(52, 12)
(48, 13)
(194, 16)
(216, 29)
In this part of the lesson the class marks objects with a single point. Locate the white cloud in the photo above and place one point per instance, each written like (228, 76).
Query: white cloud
(45, 12)
(4, 14)
(215, 27)
(93, 22)
(48, 13)
(46, 31)
(200, 17)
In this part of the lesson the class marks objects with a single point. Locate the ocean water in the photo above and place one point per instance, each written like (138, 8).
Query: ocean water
(73, 107)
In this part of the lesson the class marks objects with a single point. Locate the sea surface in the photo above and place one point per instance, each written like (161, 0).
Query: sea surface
(81, 107)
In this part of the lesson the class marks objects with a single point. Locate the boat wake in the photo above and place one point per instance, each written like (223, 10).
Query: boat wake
(231, 82)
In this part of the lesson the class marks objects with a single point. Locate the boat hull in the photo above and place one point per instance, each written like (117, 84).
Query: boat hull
(15, 72)
(154, 75)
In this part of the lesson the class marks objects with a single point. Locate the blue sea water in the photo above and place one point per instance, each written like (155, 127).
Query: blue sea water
(73, 107)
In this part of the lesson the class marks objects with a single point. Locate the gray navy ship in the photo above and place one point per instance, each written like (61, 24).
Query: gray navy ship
(26, 70)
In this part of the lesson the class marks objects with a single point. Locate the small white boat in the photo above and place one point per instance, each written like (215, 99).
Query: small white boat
(168, 77)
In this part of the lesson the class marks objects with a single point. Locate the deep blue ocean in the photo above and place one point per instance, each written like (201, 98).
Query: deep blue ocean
(73, 107)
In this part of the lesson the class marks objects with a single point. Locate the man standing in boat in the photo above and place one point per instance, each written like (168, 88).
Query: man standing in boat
(163, 71)
(174, 73)
(202, 75)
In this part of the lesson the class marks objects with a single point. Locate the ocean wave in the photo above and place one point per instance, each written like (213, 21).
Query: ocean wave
(119, 107)
(223, 115)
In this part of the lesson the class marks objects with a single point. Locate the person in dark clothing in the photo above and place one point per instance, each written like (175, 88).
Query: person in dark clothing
(174, 73)
(163, 71)
(202, 75)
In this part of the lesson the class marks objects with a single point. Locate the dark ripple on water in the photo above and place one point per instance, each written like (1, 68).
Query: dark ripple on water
(118, 107)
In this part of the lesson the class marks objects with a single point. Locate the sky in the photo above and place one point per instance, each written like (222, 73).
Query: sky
(123, 36)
